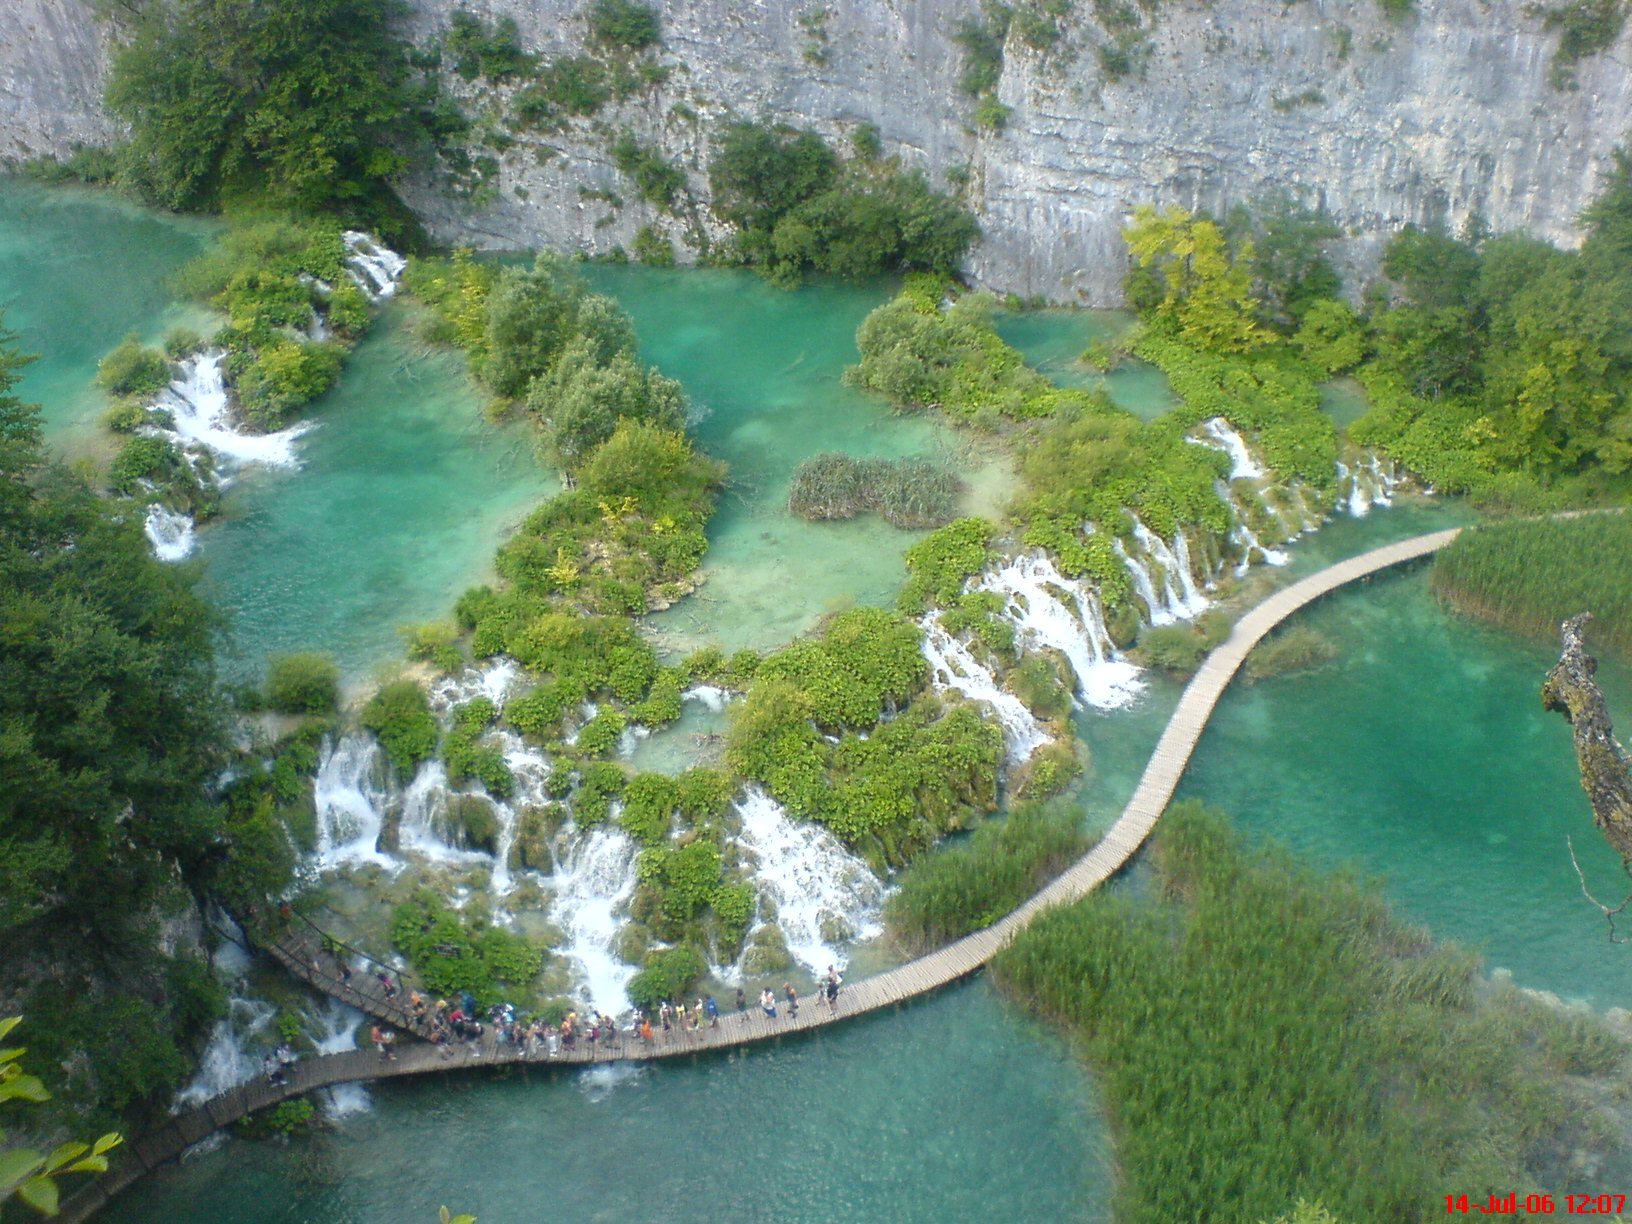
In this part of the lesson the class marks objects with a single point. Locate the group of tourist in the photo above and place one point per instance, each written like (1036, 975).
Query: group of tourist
(445, 1023)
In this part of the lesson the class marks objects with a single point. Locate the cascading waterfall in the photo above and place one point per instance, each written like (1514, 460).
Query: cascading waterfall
(229, 1058)
(1366, 484)
(1178, 597)
(711, 697)
(825, 896)
(953, 666)
(333, 1030)
(1219, 434)
(1036, 593)
(374, 268)
(1245, 538)
(198, 404)
(349, 803)
(169, 532)
(591, 891)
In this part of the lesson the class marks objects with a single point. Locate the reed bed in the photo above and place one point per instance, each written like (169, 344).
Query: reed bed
(911, 493)
(961, 888)
(1530, 574)
(1266, 1034)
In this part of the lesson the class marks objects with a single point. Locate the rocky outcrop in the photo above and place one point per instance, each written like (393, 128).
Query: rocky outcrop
(1447, 113)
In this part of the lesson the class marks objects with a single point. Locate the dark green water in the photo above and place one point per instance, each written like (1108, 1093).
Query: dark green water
(1053, 340)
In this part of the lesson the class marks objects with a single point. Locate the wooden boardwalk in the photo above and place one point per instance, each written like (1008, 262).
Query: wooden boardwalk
(957, 960)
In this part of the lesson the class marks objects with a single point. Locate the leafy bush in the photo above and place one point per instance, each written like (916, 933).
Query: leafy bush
(400, 715)
(652, 248)
(649, 802)
(573, 85)
(598, 784)
(940, 564)
(668, 974)
(302, 683)
(580, 402)
(452, 952)
(482, 50)
(624, 24)
(656, 178)
(133, 370)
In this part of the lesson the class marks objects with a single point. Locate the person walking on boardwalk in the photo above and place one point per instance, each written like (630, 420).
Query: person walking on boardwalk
(377, 1035)
(833, 982)
(713, 1010)
(792, 996)
(767, 1002)
(274, 1071)
(742, 1006)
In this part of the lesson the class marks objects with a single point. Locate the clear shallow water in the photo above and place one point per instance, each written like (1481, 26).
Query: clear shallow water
(403, 493)
(762, 367)
(79, 270)
(948, 1110)
(1052, 340)
(1422, 755)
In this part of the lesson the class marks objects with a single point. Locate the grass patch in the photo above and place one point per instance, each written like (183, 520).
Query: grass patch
(911, 493)
(1266, 1033)
(1530, 574)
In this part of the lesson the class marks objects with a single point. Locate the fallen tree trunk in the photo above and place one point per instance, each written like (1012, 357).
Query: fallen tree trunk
(1606, 773)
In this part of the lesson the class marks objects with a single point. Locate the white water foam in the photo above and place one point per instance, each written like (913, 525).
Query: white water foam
(374, 268)
(197, 401)
(1050, 610)
(1245, 538)
(1181, 598)
(1219, 434)
(169, 532)
(591, 892)
(953, 666)
(348, 803)
(1369, 483)
(710, 696)
(825, 896)
(334, 1032)
(228, 1060)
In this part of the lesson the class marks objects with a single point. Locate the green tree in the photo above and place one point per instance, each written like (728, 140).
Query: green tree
(304, 101)
(532, 313)
(580, 401)
(1202, 286)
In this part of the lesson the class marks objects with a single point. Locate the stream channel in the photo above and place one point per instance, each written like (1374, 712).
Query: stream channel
(1420, 754)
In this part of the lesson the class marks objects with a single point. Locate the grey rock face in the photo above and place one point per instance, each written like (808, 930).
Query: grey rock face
(53, 62)
(1446, 114)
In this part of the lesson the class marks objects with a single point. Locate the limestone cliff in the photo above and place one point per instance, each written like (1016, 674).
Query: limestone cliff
(1445, 113)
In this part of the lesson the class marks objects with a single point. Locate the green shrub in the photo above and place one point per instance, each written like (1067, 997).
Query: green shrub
(940, 564)
(656, 179)
(133, 370)
(573, 85)
(182, 342)
(1296, 649)
(652, 248)
(302, 683)
(451, 951)
(625, 25)
(598, 784)
(434, 642)
(911, 493)
(649, 802)
(400, 715)
(668, 974)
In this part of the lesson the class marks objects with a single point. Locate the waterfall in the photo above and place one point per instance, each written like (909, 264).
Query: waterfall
(711, 697)
(824, 895)
(197, 402)
(952, 666)
(170, 533)
(1037, 595)
(1221, 435)
(1180, 598)
(372, 267)
(348, 803)
(1245, 538)
(1368, 484)
(590, 891)
(333, 1030)
(229, 1059)
(424, 826)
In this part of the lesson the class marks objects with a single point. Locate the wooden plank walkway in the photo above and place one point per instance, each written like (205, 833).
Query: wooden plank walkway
(1166, 766)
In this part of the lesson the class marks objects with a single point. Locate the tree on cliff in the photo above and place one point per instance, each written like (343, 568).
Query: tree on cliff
(305, 102)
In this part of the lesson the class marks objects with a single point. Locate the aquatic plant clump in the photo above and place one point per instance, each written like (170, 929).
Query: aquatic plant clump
(911, 493)
(1529, 575)
(1265, 1032)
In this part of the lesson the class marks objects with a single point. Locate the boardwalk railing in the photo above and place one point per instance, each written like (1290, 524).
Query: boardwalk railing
(308, 960)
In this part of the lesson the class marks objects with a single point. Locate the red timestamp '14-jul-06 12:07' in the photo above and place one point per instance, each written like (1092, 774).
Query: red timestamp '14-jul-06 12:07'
(1536, 1204)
